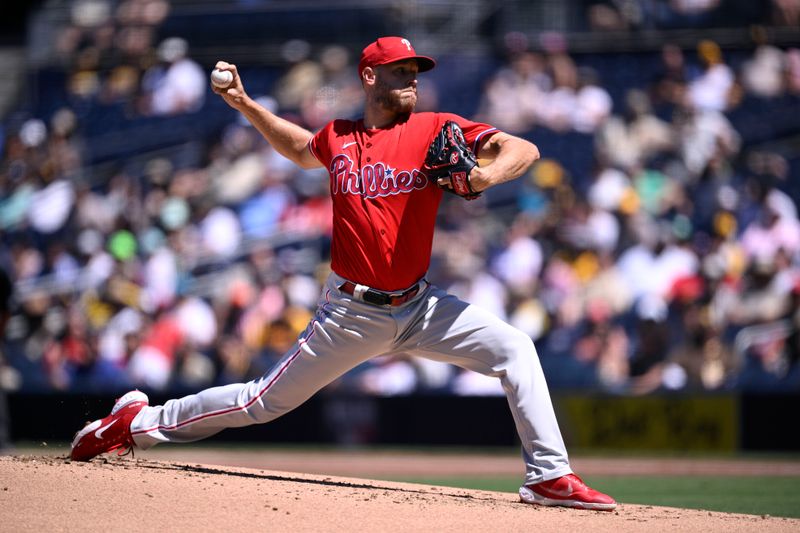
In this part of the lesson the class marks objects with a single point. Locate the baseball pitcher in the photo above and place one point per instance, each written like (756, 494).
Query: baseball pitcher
(388, 172)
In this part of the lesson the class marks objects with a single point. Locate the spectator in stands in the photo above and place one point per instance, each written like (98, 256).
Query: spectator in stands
(659, 259)
(769, 348)
(515, 94)
(519, 263)
(634, 138)
(302, 79)
(105, 46)
(556, 109)
(120, 336)
(775, 228)
(153, 362)
(177, 84)
(705, 136)
(670, 83)
(587, 228)
(764, 74)
(71, 357)
(338, 93)
(713, 90)
(653, 343)
(611, 188)
(220, 232)
(604, 344)
(702, 360)
(535, 89)
(592, 102)
(792, 72)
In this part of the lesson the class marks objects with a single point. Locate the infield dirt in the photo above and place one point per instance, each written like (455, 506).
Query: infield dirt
(51, 493)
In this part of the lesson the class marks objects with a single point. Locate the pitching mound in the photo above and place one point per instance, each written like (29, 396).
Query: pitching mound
(46, 493)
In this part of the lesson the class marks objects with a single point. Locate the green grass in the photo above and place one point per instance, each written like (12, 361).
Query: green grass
(775, 496)
(759, 495)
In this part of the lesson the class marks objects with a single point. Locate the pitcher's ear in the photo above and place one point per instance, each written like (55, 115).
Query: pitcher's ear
(368, 75)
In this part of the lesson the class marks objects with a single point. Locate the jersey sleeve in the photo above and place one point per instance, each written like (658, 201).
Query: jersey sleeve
(320, 146)
(476, 133)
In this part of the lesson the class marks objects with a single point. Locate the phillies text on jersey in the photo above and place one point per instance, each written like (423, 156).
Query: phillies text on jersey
(372, 180)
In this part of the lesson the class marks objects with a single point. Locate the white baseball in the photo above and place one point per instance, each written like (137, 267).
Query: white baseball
(221, 78)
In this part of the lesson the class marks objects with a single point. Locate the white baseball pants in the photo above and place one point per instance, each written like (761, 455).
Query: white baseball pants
(346, 332)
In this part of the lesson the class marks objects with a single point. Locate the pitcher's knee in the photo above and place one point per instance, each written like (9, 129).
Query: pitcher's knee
(517, 347)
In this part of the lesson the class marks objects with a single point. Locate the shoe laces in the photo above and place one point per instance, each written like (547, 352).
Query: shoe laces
(125, 448)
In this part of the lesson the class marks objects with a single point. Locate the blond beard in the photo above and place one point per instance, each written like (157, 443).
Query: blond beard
(392, 101)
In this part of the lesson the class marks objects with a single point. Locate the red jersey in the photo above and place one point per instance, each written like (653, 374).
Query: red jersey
(384, 207)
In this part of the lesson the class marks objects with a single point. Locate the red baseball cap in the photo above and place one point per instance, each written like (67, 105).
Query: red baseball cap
(390, 49)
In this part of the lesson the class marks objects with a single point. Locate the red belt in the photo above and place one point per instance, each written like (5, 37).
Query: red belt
(376, 297)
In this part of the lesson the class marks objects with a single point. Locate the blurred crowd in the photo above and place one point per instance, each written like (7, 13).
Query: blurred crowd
(674, 265)
(677, 262)
(111, 55)
(620, 15)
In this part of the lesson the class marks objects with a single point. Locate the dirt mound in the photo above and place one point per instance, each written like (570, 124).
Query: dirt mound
(48, 493)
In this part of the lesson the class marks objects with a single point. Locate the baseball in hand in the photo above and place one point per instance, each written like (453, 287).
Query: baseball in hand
(221, 78)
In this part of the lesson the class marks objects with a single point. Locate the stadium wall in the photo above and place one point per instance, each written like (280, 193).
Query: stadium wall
(723, 423)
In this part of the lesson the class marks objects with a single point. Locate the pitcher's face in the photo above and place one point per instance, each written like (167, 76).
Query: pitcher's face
(396, 86)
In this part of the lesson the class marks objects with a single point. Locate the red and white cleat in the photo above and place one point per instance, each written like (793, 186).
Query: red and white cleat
(112, 432)
(567, 491)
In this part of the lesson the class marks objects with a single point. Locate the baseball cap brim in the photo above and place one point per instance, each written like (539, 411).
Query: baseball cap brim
(424, 63)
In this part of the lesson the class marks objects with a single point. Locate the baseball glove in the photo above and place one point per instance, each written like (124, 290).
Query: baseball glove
(450, 157)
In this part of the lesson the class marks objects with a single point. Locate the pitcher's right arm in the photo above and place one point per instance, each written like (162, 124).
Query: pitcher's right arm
(289, 139)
